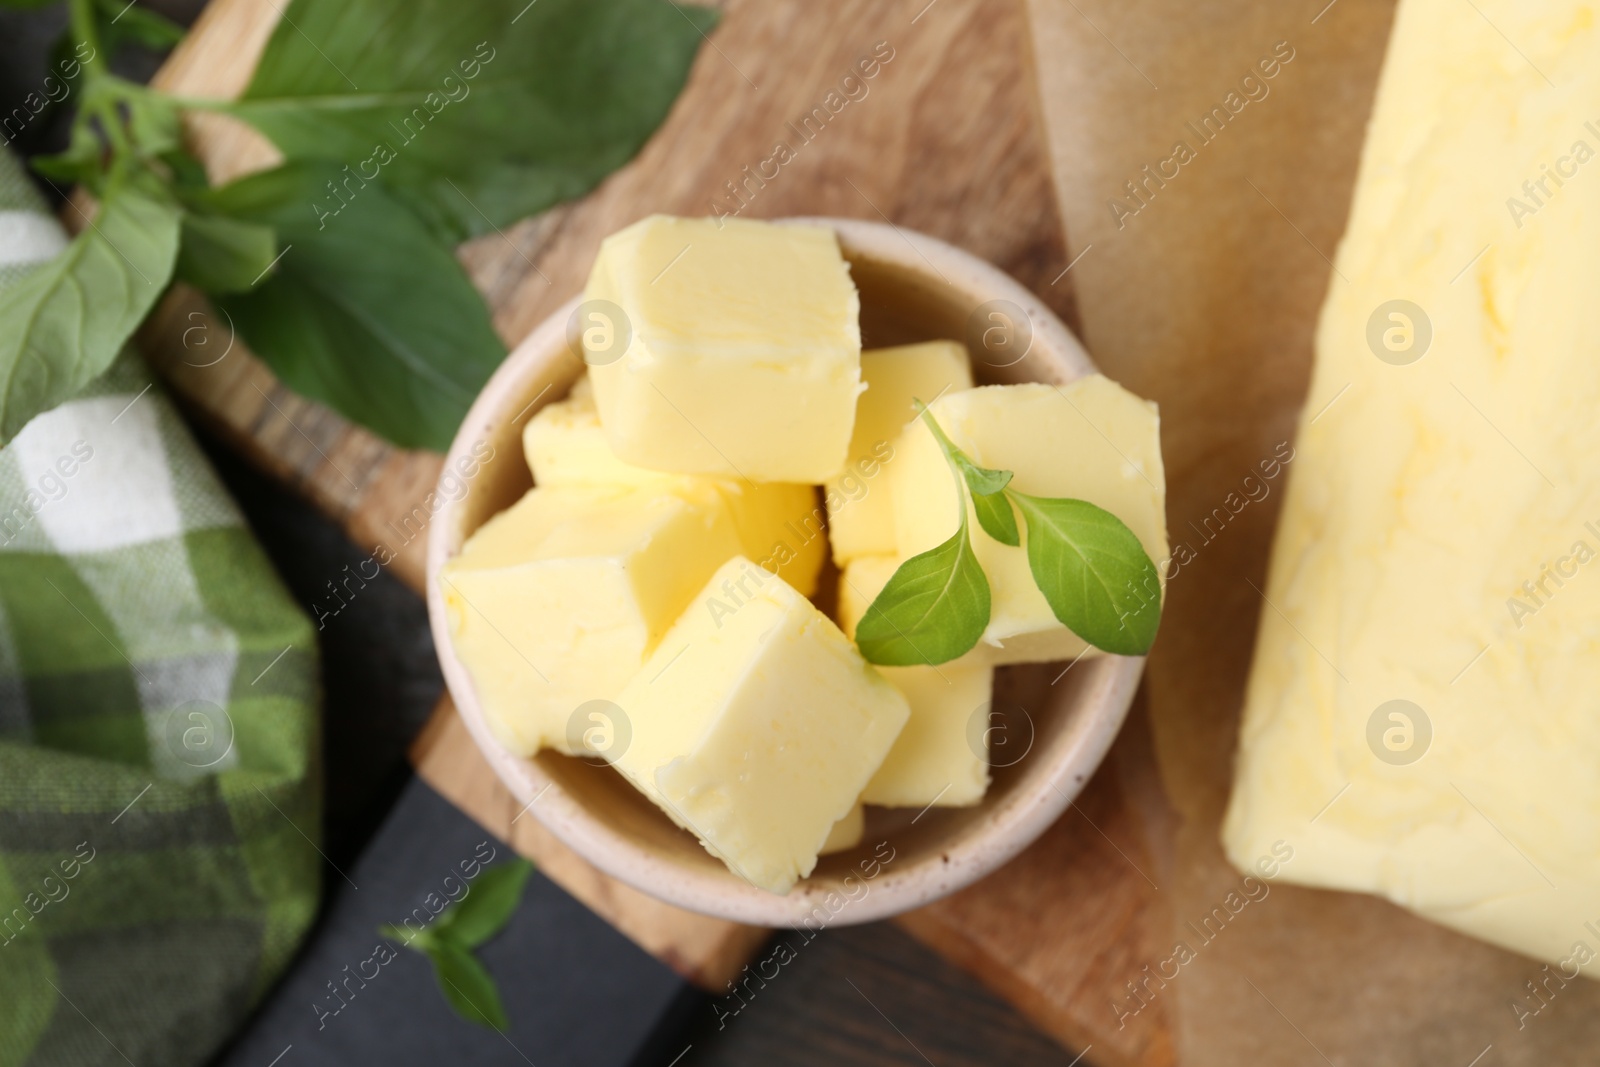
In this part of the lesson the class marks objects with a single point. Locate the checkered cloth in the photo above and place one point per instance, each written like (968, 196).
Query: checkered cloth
(159, 798)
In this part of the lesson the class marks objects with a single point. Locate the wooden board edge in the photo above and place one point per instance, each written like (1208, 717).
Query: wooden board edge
(707, 952)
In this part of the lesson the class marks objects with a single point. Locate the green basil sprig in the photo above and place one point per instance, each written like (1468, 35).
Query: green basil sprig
(405, 129)
(1093, 572)
(462, 927)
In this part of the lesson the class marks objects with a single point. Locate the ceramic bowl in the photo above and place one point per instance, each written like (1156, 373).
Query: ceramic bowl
(1050, 726)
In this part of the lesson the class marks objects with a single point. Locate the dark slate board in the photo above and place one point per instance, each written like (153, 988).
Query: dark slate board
(578, 993)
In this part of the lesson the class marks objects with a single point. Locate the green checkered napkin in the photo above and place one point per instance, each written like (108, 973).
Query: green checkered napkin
(159, 797)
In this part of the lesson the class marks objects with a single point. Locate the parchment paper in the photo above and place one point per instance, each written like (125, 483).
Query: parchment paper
(1201, 292)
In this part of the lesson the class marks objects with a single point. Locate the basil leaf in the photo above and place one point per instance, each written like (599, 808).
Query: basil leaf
(996, 517)
(81, 162)
(1093, 572)
(487, 111)
(994, 513)
(62, 325)
(466, 985)
(223, 255)
(448, 943)
(119, 127)
(981, 480)
(488, 905)
(87, 158)
(459, 207)
(933, 609)
(365, 310)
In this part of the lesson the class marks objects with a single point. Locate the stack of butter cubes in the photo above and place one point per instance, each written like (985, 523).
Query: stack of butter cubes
(649, 600)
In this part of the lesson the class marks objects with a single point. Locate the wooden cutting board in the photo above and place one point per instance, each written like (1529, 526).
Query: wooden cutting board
(945, 140)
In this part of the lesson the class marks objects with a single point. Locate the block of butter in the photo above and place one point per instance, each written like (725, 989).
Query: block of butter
(557, 600)
(860, 516)
(756, 724)
(938, 758)
(1089, 440)
(779, 523)
(846, 833)
(1420, 716)
(744, 358)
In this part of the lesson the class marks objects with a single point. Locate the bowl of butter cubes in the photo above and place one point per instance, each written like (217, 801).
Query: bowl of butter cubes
(797, 573)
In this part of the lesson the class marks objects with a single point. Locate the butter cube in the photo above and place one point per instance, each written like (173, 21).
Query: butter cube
(745, 351)
(780, 527)
(846, 833)
(1089, 440)
(937, 759)
(860, 515)
(756, 724)
(779, 523)
(565, 445)
(557, 600)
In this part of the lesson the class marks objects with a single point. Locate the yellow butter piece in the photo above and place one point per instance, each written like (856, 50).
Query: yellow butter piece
(779, 523)
(745, 352)
(1088, 440)
(780, 527)
(846, 833)
(939, 758)
(557, 600)
(756, 724)
(565, 445)
(860, 515)
(1443, 511)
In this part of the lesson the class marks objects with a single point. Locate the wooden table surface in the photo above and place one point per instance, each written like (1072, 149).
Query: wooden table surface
(946, 140)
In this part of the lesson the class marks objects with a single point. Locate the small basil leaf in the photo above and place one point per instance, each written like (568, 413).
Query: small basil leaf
(85, 160)
(981, 480)
(933, 609)
(466, 985)
(1093, 572)
(996, 517)
(79, 163)
(63, 324)
(488, 905)
(223, 255)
